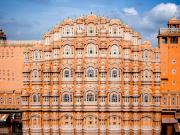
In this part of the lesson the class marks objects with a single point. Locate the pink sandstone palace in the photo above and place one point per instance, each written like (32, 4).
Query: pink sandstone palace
(93, 75)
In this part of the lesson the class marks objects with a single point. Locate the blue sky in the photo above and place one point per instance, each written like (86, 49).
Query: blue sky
(29, 19)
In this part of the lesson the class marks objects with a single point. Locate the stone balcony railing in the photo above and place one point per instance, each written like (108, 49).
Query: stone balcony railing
(169, 31)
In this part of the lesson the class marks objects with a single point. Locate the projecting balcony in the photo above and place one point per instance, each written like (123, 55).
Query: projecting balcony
(36, 81)
(146, 128)
(135, 104)
(70, 79)
(78, 106)
(55, 129)
(79, 79)
(114, 79)
(35, 130)
(115, 106)
(55, 79)
(102, 107)
(114, 128)
(54, 104)
(35, 105)
(26, 81)
(78, 128)
(157, 104)
(91, 79)
(135, 128)
(90, 129)
(25, 104)
(90, 106)
(45, 104)
(169, 31)
(25, 131)
(67, 129)
(46, 129)
(102, 128)
(66, 106)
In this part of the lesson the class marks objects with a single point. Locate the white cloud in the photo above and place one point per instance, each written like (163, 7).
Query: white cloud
(149, 22)
(130, 11)
(159, 14)
(164, 11)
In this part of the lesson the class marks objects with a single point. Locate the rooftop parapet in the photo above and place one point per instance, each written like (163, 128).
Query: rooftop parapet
(21, 42)
(166, 31)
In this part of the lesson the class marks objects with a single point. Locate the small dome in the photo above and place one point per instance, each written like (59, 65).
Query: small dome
(115, 22)
(68, 21)
(92, 18)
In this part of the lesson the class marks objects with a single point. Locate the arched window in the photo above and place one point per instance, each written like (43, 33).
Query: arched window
(67, 120)
(26, 56)
(114, 30)
(67, 50)
(91, 50)
(67, 98)
(145, 55)
(35, 122)
(114, 51)
(90, 97)
(146, 122)
(36, 98)
(146, 98)
(90, 72)
(114, 73)
(90, 121)
(36, 55)
(114, 97)
(35, 73)
(145, 75)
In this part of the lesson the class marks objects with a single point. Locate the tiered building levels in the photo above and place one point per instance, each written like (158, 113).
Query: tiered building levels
(91, 75)
(169, 44)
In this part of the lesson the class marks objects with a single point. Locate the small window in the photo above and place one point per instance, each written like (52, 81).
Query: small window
(90, 97)
(114, 98)
(174, 40)
(173, 100)
(91, 51)
(135, 99)
(173, 71)
(46, 99)
(114, 74)
(174, 61)
(174, 82)
(66, 98)
(164, 40)
(164, 100)
(90, 73)
(36, 98)
(66, 73)
(146, 98)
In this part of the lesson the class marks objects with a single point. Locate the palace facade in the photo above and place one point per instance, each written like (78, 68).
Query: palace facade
(91, 75)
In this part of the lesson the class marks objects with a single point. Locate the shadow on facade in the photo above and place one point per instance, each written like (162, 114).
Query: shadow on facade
(10, 124)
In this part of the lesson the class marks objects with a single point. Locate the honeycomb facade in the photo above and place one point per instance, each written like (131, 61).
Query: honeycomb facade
(91, 75)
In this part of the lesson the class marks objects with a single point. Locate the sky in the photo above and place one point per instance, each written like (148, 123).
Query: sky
(30, 19)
